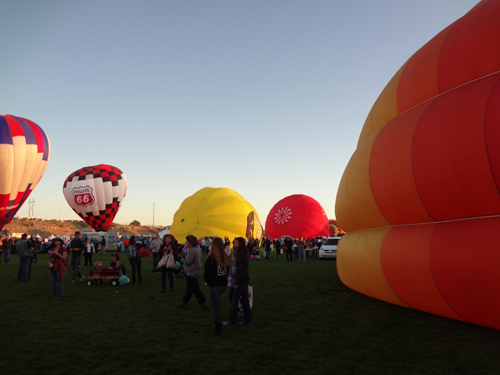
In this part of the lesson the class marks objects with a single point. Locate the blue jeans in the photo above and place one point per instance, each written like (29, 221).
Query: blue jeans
(135, 263)
(302, 255)
(164, 272)
(241, 291)
(215, 293)
(57, 283)
(30, 265)
(22, 274)
(75, 262)
(6, 256)
(156, 259)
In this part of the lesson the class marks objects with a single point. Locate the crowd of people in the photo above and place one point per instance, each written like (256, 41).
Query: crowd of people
(26, 249)
(167, 253)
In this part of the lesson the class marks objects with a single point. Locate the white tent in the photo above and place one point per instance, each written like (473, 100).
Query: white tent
(164, 232)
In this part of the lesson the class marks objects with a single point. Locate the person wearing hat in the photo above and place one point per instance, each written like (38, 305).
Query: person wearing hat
(192, 268)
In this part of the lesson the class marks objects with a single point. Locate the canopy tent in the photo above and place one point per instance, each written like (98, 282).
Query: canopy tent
(164, 232)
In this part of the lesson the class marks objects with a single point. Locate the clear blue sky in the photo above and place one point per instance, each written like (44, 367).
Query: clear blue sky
(264, 97)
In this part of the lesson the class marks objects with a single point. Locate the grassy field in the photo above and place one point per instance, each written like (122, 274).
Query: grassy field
(305, 322)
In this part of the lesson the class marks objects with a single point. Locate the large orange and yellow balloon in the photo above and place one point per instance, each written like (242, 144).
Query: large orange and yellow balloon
(24, 155)
(420, 196)
(216, 212)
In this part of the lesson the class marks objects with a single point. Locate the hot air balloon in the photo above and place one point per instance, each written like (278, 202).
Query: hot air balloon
(334, 229)
(426, 172)
(216, 212)
(24, 155)
(96, 193)
(297, 216)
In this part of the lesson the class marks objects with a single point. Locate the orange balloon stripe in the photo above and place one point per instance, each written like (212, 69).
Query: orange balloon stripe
(391, 170)
(406, 264)
(346, 263)
(492, 131)
(475, 34)
(419, 80)
(466, 268)
(450, 161)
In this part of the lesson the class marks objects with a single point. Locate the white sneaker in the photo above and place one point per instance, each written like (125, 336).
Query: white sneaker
(81, 278)
(72, 281)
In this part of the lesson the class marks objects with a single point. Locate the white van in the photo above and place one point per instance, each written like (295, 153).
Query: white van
(329, 248)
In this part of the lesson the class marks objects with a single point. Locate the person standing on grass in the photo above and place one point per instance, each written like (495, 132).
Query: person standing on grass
(134, 258)
(24, 253)
(87, 253)
(267, 246)
(34, 246)
(155, 247)
(232, 272)
(203, 245)
(192, 268)
(58, 258)
(102, 246)
(7, 244)
(242, 279)
(169, 247)
(277, 245)
(216, 269)
(289, 249)
(76, 247)
(302, 250)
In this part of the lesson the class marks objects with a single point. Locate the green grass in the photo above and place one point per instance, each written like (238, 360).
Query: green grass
(305, 322)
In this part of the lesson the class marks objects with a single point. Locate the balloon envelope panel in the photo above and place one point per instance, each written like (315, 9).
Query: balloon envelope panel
(297, 216)
(334, 229)
(216, 212)
(24, 155)
(96, 193)
(426, 170)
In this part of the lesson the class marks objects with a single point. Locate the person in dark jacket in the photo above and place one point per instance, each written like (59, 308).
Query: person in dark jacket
(267, 245)
(216, 269)
(169, 247)
(76, 247)
(34, 247)
(289, 249)
(116, 264)
(240, 286)
(135, 259)
(24, 253)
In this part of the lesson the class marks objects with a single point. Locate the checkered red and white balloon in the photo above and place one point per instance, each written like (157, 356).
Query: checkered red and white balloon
(96, 193)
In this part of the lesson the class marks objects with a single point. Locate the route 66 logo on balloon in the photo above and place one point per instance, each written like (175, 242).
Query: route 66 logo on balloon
(96, 193)
(83, 195)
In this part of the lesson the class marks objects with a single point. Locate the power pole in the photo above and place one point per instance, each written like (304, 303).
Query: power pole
(153, 215)
(31, 209)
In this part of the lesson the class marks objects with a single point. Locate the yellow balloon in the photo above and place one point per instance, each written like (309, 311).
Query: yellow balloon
(216, 212)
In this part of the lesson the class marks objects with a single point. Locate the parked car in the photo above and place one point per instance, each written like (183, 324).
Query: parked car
(329, 248)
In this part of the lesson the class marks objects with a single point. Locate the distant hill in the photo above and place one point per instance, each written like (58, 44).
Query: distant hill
(60, 228)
